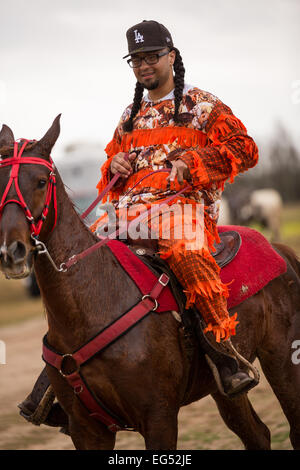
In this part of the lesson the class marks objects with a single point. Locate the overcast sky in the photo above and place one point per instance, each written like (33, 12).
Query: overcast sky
(64, 56)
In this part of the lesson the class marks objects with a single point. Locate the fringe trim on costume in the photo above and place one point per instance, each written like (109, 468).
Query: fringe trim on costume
(225, 330)
(166, 254)
(179, 246)
(226, 128)
(211, 235)
(205, 289)
(211, 231)
(184, 136)
(198, 171)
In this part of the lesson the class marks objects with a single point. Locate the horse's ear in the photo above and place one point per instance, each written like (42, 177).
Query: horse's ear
(47, 142)
(6, 136)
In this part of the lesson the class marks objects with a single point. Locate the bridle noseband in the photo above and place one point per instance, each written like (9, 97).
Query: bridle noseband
(15, 162)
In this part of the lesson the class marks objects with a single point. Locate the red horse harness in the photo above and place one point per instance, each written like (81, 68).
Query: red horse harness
(149, 302)
(97, 410)
(15, 163)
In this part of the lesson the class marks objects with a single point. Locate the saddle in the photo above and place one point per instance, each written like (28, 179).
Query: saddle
(228, 247)
(225, 251)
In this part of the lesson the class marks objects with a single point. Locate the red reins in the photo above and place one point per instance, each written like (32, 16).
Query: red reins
(15, 163)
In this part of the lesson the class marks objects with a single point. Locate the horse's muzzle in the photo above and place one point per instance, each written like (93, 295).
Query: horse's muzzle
(15, 260)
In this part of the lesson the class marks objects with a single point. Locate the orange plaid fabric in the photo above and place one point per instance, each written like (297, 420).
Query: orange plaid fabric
(198, 273)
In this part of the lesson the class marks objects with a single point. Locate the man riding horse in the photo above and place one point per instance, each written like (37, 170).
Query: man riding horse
(196, 136)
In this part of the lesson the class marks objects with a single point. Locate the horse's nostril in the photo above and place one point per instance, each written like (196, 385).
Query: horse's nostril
(17, 252)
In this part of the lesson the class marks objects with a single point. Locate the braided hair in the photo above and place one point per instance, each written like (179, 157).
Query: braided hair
(139, 90)
(138, 95)
(179, 83)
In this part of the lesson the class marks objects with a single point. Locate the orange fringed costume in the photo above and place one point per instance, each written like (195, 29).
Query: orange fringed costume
(215, 146)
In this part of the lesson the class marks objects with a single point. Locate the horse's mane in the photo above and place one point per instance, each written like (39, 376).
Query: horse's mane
(7, 150)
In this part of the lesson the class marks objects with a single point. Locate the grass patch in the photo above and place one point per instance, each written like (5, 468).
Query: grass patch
(281, 436)
(291, 229)
(201, 436)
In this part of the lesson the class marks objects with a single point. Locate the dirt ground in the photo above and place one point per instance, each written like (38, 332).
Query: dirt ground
(200, 426)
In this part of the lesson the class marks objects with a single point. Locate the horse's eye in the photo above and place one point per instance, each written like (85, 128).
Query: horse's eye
(42, 184)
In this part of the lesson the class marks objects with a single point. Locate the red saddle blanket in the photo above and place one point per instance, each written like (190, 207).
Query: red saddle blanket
(254, 266)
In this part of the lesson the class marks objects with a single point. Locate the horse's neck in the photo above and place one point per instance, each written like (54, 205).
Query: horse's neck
(68, 296)
(70, 236)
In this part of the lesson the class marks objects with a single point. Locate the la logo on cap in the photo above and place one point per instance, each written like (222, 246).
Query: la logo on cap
(138, 36)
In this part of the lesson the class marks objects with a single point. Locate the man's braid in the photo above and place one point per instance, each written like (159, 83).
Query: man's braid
(179, 83)
(138, 95)
(139, 90)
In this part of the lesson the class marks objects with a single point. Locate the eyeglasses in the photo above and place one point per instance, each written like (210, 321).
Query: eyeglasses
(150, 59)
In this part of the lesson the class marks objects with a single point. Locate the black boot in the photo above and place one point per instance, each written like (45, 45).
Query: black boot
(231, 380)
(235, 383)
(38, 407)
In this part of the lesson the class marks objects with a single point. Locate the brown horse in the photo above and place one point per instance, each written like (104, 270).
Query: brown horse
(145, 376)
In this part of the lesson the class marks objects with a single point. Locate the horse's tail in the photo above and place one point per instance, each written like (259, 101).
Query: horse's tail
(290, 254)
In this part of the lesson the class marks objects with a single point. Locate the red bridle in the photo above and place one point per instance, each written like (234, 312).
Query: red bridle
(15, 162)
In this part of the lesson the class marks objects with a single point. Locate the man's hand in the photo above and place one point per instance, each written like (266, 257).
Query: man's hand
(122, 163)
(181, 170)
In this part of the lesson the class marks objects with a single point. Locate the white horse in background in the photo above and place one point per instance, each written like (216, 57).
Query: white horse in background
(263, 206)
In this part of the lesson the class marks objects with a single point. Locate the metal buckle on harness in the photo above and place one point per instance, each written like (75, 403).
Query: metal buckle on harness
(77, 366)
(163, 282)
(153, 300)
(114, 428)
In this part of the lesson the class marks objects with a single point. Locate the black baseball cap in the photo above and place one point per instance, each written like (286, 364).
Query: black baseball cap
(148, 36)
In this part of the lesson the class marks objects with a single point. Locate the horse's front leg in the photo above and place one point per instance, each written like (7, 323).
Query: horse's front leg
(161, 429)
(86, 433)
(90, 435)
(241, 418)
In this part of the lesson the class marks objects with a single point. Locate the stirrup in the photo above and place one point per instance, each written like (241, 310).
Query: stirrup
(241, 386)
(253, 369)
(240, 381)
